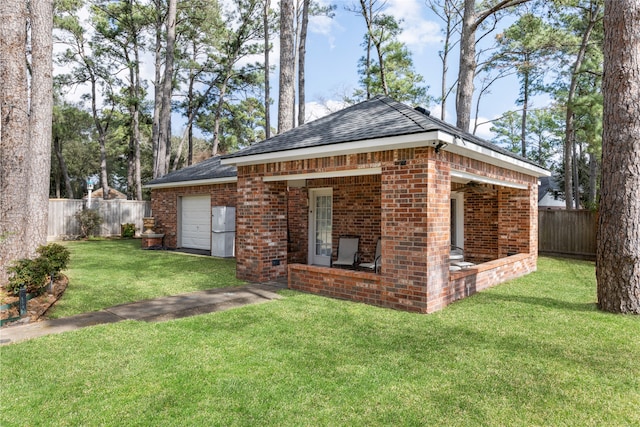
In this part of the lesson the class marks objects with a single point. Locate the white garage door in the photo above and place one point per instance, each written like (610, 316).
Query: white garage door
(196, 222)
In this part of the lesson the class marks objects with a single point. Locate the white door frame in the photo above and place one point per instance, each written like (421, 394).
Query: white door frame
(313, 258)
(458, 196)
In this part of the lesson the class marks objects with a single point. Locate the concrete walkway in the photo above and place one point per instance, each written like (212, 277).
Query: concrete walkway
(155, 310)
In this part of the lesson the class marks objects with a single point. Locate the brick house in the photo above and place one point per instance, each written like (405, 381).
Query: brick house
(378, 170)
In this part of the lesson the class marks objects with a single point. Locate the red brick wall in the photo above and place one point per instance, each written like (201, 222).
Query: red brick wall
(164, 205)
(480, 226)
(356, 210)
(408, 205)
(261, 226)
(298, 225)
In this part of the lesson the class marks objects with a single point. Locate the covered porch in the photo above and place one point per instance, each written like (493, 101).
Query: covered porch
(418, 202)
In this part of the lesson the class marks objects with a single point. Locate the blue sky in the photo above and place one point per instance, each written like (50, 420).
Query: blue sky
(334, 47)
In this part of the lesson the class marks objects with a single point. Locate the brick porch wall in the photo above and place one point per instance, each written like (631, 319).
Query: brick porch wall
(373, 289)
(164, 205)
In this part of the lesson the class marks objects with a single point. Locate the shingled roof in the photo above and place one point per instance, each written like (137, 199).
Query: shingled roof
(209, 169)
(378, 117)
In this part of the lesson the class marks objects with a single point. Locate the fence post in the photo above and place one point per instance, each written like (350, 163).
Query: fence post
(23, 300)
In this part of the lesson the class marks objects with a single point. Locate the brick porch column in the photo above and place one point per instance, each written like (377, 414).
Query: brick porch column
(415, 228)
(261, 234)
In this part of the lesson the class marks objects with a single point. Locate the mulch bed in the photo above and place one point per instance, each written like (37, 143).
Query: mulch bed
(36, 307)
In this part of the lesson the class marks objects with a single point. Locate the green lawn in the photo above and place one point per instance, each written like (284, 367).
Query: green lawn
(104, 273)
(534, 351)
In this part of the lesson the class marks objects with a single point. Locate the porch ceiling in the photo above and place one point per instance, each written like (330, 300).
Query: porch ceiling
(465, 177)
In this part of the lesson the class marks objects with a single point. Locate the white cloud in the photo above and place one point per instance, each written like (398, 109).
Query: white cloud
(417, 30)
(315, 110)
(484, 130)
(325, 26)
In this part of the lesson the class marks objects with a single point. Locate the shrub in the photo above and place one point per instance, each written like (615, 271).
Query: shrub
(32, 273)
(128, 230)
(57, 256)
(89, 220)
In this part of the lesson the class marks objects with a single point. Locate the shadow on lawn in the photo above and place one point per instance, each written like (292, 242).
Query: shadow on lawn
(544, 302)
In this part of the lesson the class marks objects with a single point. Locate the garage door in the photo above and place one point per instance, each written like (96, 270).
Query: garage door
(196, 222)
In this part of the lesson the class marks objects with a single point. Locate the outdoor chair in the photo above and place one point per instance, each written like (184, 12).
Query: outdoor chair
(347, 252)
(375, 265)
(456, 259)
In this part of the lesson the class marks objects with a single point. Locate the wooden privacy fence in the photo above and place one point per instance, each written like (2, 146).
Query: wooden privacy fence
(63, 223)
(567, 232)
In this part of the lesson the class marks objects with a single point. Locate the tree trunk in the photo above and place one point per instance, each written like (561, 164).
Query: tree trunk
(525, 108)
(40, 122)
(302, 51)
(569, 139)
(14, 120)
(617, 254)
(471, 20)
(164, 137)
(267, 87)
(286, 99)
(467, 67)
(158, 149)
(593, 179)
(63, 169)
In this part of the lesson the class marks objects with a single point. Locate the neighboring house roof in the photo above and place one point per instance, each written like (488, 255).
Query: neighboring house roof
(548, 196)
(209, 171)
(113, 194)
(377, 118)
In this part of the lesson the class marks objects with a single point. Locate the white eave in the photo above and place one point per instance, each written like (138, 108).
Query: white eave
(453, 143)
(178, 184)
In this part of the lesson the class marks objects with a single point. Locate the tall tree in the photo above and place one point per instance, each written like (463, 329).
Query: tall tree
(449, 11)
(474, 14)
(617, 254)
(120, 27)
(390, 71)
(25, 127)
(527, 46)
(303, 12)
(286, 96)
(87, 69)
(267, 69)
(161, 139)
(240, 39)
(590, 15)
(200, 26)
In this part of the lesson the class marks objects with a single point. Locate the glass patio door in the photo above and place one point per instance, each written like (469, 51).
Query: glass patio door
(320, 226)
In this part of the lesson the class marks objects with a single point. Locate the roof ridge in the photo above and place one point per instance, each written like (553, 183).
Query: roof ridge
(384, 99)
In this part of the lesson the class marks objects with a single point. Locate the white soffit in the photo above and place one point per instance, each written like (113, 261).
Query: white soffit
(177, 184)
(464, 177)
(331, 174)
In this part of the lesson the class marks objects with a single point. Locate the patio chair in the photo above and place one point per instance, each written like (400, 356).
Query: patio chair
(347, 252)
(375, 265)
(456, 259)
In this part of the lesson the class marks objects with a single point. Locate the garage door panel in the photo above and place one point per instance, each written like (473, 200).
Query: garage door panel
(196, 222)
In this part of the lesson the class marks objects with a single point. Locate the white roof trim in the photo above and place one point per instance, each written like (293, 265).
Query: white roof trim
(177, 184)
(468, 149)
(331, 174)
(455, 144)
(464, 177)
(338, 149)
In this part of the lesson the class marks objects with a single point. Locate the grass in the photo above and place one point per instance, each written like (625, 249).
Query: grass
(104, 273)
(534, 351)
